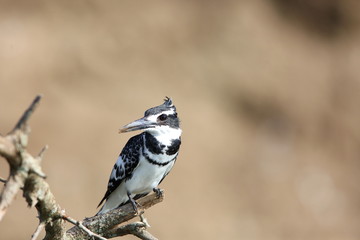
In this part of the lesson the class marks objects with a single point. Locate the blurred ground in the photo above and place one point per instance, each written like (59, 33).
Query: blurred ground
(268, 93)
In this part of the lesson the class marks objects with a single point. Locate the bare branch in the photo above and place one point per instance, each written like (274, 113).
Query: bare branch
(12, 186)
(137, 228)
(7, 147)
(102, 223)
(38, 230)
(82, 227)
(5, 181)
(37, 193)
(21, 124)
(12, 147)
(26, 174)
(37, 167)
(41, 153)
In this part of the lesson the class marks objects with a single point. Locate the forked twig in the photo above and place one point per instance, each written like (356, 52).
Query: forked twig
(82, 227)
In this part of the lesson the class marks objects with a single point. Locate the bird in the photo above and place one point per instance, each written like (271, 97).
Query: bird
(146, 158)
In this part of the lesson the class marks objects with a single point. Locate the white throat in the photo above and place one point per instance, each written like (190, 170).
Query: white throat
(165, 134)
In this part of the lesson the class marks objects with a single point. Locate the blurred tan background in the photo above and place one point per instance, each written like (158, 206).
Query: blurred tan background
(268, 93)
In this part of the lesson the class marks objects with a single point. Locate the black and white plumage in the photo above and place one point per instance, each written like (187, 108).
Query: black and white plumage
(146, 158)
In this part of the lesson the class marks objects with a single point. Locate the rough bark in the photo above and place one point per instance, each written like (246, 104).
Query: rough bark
(26, 175)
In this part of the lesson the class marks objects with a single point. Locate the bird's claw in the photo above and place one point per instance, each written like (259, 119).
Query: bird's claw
(134, 204)
(158, 192)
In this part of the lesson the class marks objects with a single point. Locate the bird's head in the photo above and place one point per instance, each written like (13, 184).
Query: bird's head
(156, 120)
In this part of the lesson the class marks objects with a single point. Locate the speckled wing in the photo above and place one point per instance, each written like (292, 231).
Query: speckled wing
(124, 167)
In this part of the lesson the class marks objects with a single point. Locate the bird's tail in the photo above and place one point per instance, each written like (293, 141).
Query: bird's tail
(114, 199)
(112, 202)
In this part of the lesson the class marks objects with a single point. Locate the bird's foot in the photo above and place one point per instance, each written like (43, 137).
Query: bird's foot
(134, 204)
(158, 192)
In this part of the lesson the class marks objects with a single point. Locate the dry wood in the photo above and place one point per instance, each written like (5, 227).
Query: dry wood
(26, 174)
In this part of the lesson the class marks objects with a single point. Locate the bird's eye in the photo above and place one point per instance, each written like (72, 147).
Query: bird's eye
(162, 117)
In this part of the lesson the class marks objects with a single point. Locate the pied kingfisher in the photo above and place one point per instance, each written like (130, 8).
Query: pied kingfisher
(146, 158)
